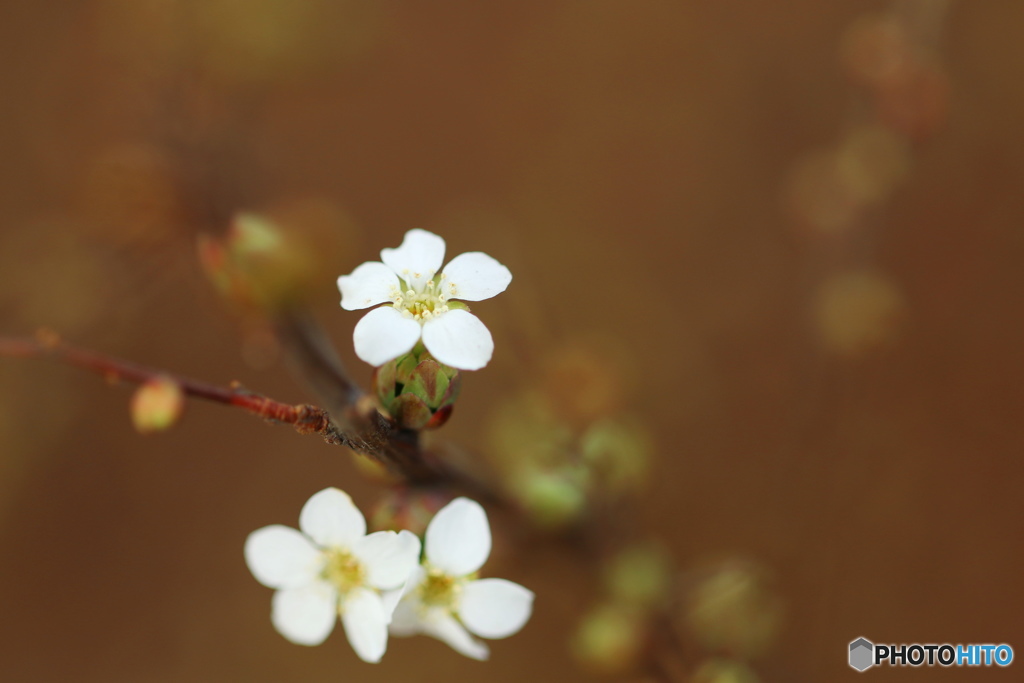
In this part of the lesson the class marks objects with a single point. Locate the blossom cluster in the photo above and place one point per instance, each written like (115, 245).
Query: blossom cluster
(378, 583)
(386, 582)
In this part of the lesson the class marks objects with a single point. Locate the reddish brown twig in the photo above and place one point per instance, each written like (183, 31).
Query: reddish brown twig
(361, 427)
(307, 419)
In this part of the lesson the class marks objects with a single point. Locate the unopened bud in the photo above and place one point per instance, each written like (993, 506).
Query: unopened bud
(269, 267)
(639, 575)
(157, 405)
(416, 390)
(266, 263)
(609, 639)
(619, 453)
(552, 499)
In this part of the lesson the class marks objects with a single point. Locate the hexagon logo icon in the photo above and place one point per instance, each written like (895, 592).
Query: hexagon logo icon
(862, 653)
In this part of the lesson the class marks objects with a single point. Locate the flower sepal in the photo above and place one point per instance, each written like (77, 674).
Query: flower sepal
(416, 390)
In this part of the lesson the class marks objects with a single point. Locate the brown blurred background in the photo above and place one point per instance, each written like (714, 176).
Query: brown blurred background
(814, 276)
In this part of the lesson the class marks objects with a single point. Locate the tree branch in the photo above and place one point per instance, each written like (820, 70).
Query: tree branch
(360, 426)
(307, 419)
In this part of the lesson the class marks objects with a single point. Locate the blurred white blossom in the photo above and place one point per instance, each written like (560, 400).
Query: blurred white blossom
(445, 599)
(423, 302)
(330, 569)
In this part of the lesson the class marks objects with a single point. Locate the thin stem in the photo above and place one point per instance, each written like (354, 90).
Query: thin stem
(306, 419)
(360, 426)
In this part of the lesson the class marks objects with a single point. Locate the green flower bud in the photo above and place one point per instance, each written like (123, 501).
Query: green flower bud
(269, 262)
(416, 390)
(157, 405)
(609, 639)
(524, 429)
(639, 575)
(619, 451)
(552, 499)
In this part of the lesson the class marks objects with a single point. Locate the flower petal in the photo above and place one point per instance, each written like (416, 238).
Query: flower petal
(495, 608)
(305, 615)
(331, 519)
(390, 600)
(370, 284)
(384, 334)
(405, 619)
(417, 259)
(405, 616)
(458, 539)
(475, 276)
(366, 625)
(458, 338)
(281, 557)
(388, 558)
(450, 631)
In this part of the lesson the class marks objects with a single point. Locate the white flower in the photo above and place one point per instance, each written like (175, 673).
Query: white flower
(420, 296)
(332, 568)
(444, 599)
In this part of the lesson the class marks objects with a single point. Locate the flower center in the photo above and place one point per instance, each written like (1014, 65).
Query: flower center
(343, 571)
(422, 300)
(439, 589)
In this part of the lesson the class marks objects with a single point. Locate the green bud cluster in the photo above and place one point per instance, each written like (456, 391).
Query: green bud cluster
(555, 468)
(611, 637)
(416, 390)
